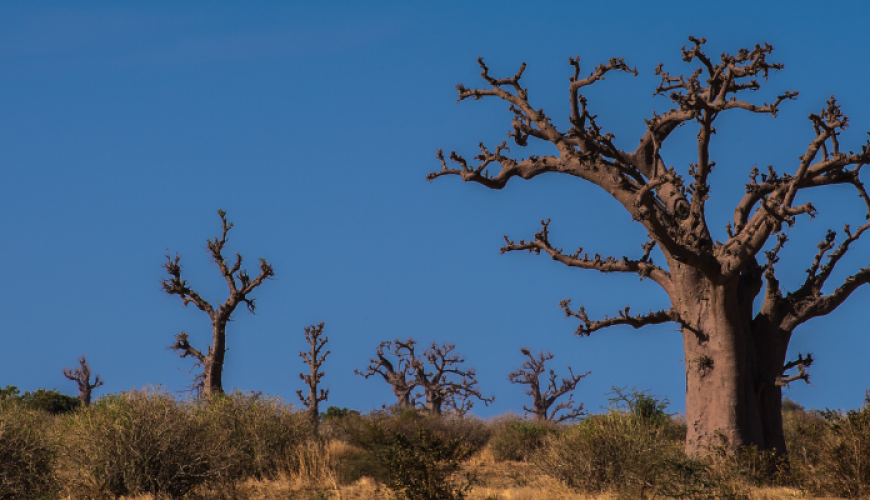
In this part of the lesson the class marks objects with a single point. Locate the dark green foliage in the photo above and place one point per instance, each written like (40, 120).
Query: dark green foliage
(373, 432)
(48, 400)
(647, 407)
(26, 453)
(515, 438)
(422, 468)
(336, 412)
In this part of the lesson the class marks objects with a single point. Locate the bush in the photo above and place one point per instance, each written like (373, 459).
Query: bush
(262, 433)
(515, 438)
(613, 451)
(50, 401)
(134, 443)
(373, 432)
(845, 468)
(422, 468)
(26, 454)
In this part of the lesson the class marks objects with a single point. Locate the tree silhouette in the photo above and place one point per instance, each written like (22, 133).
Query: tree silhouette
(397, 374)
(735, 357)
(314, 360)
(240, 286)
(82, 377)
(530, 374)
(438, 372)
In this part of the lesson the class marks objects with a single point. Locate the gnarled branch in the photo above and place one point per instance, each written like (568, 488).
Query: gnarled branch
(588, 326)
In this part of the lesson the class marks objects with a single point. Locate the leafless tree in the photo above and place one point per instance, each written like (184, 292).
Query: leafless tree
(314, 360)
(82, 377)
(735, 357)
(397, 374)
(240, 286)
(445, 383)
(530, 373)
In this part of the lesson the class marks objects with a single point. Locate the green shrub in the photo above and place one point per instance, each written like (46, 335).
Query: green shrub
(423, 468)
(137, 442)
(515, 438)
(48, 400)
(26, 453)
(371, 434)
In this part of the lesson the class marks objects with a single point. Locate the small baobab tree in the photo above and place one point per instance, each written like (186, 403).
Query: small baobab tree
(530, 373)
(735, 346)
(397, 374)
(82, 377)
(445, 383)
(314, 360)
(240, 284)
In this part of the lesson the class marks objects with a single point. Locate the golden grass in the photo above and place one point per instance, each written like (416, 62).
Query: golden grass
(318, 478)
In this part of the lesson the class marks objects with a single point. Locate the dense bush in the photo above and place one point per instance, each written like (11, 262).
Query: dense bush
(422, 468)
(133, 443)
(263, 432)
(26, 453)
(516, 438)
(372, 433)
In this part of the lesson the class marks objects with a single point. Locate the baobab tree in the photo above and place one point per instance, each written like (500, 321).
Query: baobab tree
(397, 374)
(735, 356)
(82, 377)
(444, 381)
(314, 360)
(530, 374)
(240, 284)
(438, 372)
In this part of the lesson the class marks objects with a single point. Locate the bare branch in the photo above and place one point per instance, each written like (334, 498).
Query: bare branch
(643, 266)
(588, 326)
(801, 363)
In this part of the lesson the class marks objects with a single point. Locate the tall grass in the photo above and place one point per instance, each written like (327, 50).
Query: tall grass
(26, 453)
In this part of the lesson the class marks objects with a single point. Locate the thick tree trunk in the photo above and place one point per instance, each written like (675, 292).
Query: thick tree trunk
(214, 365)
(731, 369)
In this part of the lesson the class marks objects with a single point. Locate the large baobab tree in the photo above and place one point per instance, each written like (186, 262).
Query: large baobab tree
(82, 377)
(314, 360)
(735, 356)
(542, 400)
(240, 287)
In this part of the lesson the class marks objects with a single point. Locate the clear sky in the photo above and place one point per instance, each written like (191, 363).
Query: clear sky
(124, 127)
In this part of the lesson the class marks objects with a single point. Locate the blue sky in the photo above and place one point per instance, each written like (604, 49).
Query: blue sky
(125, 127)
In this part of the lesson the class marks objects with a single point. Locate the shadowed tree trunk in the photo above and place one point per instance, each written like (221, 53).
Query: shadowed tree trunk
(314, 360)
(735, 356)
(542, 400)
(240, 285)
(82, 377)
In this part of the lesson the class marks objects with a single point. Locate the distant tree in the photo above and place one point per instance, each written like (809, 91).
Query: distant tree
(48, 400)
(398, 374)
(240, 286)
(82, 377)
(444, 382)
(314, 360)
(529, 374)
(735, 352)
